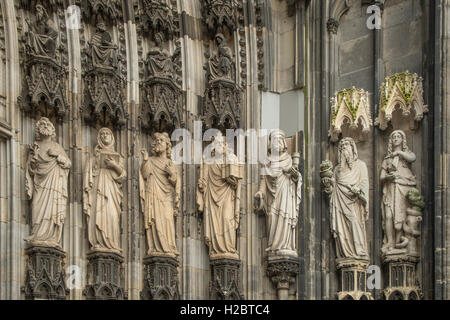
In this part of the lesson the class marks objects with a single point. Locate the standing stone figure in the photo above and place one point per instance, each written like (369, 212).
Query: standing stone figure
(279, 196)
(46, 184)
(103, 195)
(42, 36)
(160, 189)
(349, 201)
(218, 197)
(397, 180)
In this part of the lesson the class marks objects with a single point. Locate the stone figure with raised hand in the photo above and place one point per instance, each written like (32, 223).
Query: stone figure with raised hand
(397, 179)
(102, 202)
(159, 61)
(279, 196)
(47, 186)
(218, 197)
(42, 35)
(160, 189)
(348, 188)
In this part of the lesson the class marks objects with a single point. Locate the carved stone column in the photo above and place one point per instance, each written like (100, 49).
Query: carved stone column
(283, 273)
(353, 279)
(105, 276)
(225, 279)
(45, 274)
(401, 281)
(160, 279)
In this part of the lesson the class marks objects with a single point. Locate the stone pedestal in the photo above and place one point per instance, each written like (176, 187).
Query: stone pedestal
(283, 273)
(160, 279)
(400, 278)
(104, 276)
(45, 274)
(225, 280)
(353, 279)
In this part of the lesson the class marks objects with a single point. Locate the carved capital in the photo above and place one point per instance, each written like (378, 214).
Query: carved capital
(332, 26)
(225, 279)
(160, 279)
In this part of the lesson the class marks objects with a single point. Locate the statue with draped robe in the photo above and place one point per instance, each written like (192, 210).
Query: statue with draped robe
(159, 61)
(160, 189)
(103, 50)
(221, 65)
(105, 173)
(46, 185)
(42, 35)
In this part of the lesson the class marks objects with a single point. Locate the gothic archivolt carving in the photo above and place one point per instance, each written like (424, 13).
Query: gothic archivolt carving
(403, 91)
(220, 15)
(222, 102)
(45, 61)
(351, 106)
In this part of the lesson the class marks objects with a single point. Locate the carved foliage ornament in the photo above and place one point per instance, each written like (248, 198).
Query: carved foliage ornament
(403, 90)
(220, 14)
(350, 105)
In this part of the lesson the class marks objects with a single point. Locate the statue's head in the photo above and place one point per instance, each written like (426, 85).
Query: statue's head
(161, 144)
(101, 26)
(220, 38)
(159, 38)
(41, 13)
(397, 139)
(105, 138)
(347, 152)
(277, 142)
(44, 128)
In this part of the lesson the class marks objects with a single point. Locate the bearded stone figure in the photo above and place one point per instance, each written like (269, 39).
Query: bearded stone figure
(103, 195)
(221, 65)
(397, 180)
(42, 36)
(159, 61)
(46, 185)
(218, 197)
(160, 189)
(103, 50)
(349, 201)
(279, 196)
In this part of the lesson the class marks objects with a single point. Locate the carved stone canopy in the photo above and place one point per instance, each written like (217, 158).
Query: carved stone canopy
(159, 16)
(110, 10)
(220, 15)
(403, 91)
(351, 106)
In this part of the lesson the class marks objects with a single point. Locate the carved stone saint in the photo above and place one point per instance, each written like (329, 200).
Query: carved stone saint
(397, 180)
(221, 65)
(42, 35)
(103, 195)
(159, 61)
(103, 50)
(160, 189)
(279, 196)
(46, 184)
(218, 197)
(349, 201)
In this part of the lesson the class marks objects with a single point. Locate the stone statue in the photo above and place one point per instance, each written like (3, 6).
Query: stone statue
(221, 65)
(103, 50)
(46, 184)
(279, 196)
(103, 195)
(218, 197)
(397, 180)
(159, 61)
(160, 189)
(348, 187)
(42, 35)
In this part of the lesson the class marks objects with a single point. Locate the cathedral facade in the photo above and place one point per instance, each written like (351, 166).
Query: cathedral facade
(224, 149)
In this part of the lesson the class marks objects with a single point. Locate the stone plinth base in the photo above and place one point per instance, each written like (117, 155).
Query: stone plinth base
(104, 276)
(353, 279)
(283, 273)
(160, 279)
(400, 278)
(225, 279)
(45, 274)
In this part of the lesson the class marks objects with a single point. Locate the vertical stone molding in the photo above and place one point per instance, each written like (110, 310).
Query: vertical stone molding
(45, 274)
(283, 272)
(160, 279)
(352, 275)
(226, 279)
(105, 276)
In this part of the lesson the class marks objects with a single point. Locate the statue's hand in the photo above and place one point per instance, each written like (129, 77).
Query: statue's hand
(170, 169)
(232, 182)
(355, 190)
(144, 154)
(111, 164)
(327, 182)
(202, 185)
(294, 173)
(258, 201)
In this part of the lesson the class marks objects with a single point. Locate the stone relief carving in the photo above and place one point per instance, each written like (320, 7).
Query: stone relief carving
(159, 16)
(352, 106)
(160, 189)
(404, 91)
(399, 185)
(220, 14)
(45, 58)
(218, 197)
(279, 197)
(223, 96)
(348, 187)
(109, 9)
(160, 279)
(104, 175)
(46, 185)
(226, 280)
